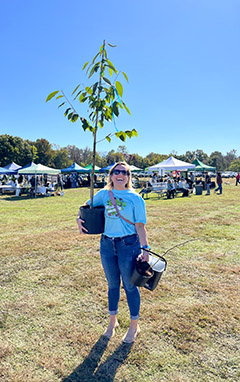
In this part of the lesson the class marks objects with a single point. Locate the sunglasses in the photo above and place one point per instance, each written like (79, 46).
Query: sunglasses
(118, 172)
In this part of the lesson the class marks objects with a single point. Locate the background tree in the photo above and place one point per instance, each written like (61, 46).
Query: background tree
(202, 156)
(216, 159)
(14, 149)
(154, 158)
(235, 165)
(7, 149)
(124, 151)
(75, 154)
(34, 153)
(189, 156)
(45, 152)
(229, 158)
(113, 157)
(136, 160)
(61, 159)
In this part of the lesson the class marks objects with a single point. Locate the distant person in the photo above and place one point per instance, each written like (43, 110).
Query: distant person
(182, 186)
(219, 183)
(33, 181)
(60, 182)
(208, 183)
(237, 178)
(20, 179)
(154, 178)
(170, 189)
(191, 179)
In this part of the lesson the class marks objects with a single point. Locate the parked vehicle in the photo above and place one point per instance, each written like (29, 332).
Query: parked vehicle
(228, 174)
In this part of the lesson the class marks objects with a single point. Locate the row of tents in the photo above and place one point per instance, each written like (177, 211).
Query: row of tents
(39, 169)
(169, 164)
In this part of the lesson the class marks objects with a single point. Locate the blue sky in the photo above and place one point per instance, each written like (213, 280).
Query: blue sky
(182, 59)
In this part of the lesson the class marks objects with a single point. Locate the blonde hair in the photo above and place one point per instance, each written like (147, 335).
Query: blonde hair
(109, 185)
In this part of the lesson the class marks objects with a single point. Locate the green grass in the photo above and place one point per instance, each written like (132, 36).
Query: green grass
(53, 300)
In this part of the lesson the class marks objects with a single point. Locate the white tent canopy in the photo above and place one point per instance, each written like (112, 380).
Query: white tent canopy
(38, 169)
(172, 164)
(134, 168)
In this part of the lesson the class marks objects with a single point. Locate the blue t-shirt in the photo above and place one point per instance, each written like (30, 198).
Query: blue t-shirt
(131, 206)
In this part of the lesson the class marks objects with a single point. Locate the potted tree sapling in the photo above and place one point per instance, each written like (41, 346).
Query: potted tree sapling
(104, 99)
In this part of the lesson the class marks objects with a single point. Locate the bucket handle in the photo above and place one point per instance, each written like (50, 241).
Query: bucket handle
(160, 257)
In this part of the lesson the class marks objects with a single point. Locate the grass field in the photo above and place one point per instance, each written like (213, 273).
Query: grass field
(53, 299)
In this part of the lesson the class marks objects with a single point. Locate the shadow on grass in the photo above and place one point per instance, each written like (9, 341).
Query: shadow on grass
(89, 371)
(14, 198)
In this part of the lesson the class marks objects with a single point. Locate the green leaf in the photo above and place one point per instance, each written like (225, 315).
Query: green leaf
(89, 90)
(94, 88)
(111, 92)
(70, 116)
(113, 46)
(61, 104)
(129, 133)
(75, 89)
(67, 111)
(110, 71)
(121, 135)
(82, 96)
(77, 95)
(94, 69)
(115, 108)
(86, 125)
(112, 66)
(51, 95)
(74, 117)
(134, 132)
(119, 88)
(84, 66)
(126, 108)
(95, 58)
(108, 138)
(107, 80)
(60, 96)
(126, 77)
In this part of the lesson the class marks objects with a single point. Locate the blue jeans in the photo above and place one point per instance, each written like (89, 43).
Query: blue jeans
(219, 188)
(118, 257)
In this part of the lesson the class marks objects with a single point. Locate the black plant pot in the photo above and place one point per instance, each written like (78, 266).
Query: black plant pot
(141, 274)
(93, 219)
(153, 281)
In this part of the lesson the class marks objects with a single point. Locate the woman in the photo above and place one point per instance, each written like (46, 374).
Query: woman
(120, 244)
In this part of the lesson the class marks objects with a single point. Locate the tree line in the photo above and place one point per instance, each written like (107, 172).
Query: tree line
(15, 149)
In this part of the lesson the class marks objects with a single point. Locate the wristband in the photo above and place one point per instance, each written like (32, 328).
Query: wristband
(146, 247)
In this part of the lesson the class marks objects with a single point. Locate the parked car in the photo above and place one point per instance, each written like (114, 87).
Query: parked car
(226, 174)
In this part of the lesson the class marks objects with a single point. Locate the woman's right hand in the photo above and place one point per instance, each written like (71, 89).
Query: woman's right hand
(82, 229)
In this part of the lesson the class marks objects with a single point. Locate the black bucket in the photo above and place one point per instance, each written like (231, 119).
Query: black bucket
(94, 219)
(141, 274)
(158, 267)
(155, 266)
